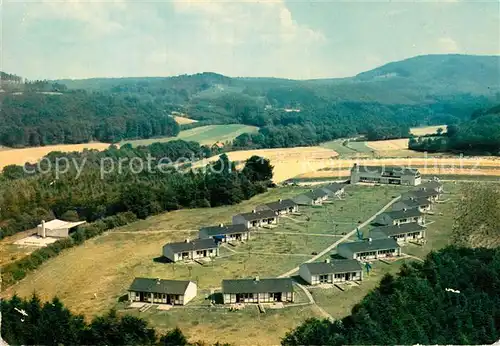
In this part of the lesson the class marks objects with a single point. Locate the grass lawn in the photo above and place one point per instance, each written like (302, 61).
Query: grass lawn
(204, 134)
(245, 327)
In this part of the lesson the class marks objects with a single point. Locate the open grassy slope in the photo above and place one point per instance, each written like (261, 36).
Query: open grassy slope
(204, 135)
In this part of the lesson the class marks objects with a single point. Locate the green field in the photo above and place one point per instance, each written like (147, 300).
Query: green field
(360, 147)
(209, 134)
(339, 147)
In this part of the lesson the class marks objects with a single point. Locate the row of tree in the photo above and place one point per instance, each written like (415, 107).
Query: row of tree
(99, 184)
(32, 322)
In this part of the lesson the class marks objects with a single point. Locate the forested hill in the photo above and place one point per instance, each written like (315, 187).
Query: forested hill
(53, 115)
(479, 135)
(425, 90)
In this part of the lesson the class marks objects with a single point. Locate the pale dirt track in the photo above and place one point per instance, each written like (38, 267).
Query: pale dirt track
(32, 155)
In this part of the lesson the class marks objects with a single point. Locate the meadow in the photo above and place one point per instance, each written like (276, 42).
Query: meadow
(208, 135)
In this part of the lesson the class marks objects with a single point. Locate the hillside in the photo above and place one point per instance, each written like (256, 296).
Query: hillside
(425, 90)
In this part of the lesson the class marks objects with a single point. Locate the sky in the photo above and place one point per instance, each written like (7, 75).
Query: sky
(303, 39)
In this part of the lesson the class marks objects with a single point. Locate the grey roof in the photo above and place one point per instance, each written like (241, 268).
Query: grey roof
(273, 285)
(335, 266)
(258, 215)
(401, 214)
(374, 244)
(399, 229)
(420, 194)
(197, 244)
(386, 169)
(316, 194)
(281, 204)
(224, 229)
(159, 286)
(332, 188)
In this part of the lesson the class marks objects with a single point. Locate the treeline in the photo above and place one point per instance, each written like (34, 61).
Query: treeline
(417, 306)
(32, 322)
(100, 184)
(33, 118)
(479, 135)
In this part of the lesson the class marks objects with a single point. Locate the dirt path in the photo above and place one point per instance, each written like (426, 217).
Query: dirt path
(313, 302)
(347, 236)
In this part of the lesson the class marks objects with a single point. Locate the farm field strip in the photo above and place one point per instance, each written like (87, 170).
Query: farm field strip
(184, 120)
(209, 134)
(10, 156)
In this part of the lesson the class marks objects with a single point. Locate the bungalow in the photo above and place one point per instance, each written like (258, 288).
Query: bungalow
(313, 197)
(369, 249)
(432, 185)
(420, 203)
(385, 175)
(257, 290)
(331, 271)
(225, 233)
(161, 291)
(334, 190)
(401, 233)
(431, 195)
(397, 217)
(191, 249)
(282, 206)
(256, 218)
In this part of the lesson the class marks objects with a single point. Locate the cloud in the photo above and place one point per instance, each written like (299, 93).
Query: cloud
(447, 45)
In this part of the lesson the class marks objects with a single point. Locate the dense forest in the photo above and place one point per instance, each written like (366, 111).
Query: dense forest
(34, 118)
(480, 135)
(382, 103)
(144, 183)
(32, 322)
(417, 307)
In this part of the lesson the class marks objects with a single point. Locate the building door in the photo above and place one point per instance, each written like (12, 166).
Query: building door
(204, 253)
(347, 276)
(277, 297)
(169, 299)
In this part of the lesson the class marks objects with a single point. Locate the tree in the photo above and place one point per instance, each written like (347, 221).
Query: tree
(174, 338)
(258, 169)
(439, 131)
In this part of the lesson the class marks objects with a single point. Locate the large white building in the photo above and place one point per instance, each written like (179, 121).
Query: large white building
(385, 175)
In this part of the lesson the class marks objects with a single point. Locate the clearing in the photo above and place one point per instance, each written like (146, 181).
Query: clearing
(427, 130)
(32, 155)
(209, 134)
(183, 120)
(390, 144)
